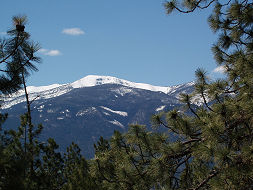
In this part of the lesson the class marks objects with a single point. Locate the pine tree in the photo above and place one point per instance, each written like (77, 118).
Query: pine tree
(17, 55)
(77, 171)
(24, 165)
(26, 162)
(224, 130)
(132, 161)
(211, 148)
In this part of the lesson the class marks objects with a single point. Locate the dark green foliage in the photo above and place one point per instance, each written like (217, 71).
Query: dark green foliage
(25, 162)
(130, 161)
(214, 145)
(16, 56)
(211, 148)
(12, 161)
(15, 161)
(76, 171)
(51, 170)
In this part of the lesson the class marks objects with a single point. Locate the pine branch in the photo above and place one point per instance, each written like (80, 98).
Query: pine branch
(20, 67)
(14, 50)
(196, 5)
(204, 182)
(206, 5)
(205, 102)
(184, 161)
(179, 155)
(100, 171)
(226, 3)
(166, 126)
(34, 99)
(191, 141)
(189, 106)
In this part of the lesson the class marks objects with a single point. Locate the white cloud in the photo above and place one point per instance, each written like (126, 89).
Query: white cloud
(73, 31)
(219, 69)
(48, 52)
(53, 53)
(43, 50)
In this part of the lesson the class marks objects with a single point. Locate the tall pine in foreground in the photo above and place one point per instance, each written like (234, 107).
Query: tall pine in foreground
(212, 148)
(26, 163)
(17, 56)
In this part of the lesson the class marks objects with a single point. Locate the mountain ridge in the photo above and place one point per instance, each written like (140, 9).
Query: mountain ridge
(91, 107)
(55, 90)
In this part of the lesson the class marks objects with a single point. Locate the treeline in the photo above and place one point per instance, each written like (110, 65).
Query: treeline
(210, 149)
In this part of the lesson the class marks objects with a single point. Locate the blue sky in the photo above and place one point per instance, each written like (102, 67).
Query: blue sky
(133, 40)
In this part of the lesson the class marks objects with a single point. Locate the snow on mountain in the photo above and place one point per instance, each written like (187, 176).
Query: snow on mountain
(123, 91)
(54, 90)
(34, 89)
(86, 111)
(122, 113)
(45, 92)
(160, 108)
(93, 80)
(115, 122)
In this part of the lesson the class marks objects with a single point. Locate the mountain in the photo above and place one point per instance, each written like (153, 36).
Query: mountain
(91, 107)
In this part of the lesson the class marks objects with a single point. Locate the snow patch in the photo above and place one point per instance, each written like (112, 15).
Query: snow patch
(160, 108)
(106, 113)
(86, 111)
(198, 100)
(115, 122)
(41, 107)
(122, 113)
(123, 90)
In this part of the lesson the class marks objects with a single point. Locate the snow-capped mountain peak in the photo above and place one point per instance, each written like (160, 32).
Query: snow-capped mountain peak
(94, 80)
(80, 112)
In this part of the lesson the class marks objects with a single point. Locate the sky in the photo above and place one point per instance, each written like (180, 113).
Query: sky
(133, 40)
